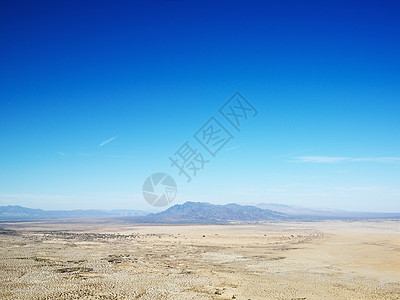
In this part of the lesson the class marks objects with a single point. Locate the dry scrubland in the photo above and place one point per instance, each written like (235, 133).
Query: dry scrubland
(322, 260)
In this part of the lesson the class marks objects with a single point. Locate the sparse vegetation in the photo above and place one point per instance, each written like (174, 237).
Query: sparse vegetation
(62, 261)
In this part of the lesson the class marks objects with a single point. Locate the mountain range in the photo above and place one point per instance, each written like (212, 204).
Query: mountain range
(200, 212)
(194, 212)
(18, 213)
(322, 213)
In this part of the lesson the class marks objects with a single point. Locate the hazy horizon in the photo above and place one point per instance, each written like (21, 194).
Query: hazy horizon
(152, 209)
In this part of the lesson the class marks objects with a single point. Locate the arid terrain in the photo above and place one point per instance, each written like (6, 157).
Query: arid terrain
(89, 260)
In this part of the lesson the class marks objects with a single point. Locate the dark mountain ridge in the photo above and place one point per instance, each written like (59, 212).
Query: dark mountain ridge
(201, 212)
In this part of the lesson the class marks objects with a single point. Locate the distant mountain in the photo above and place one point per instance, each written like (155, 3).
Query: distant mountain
(199, 212)
(296, 210)
(16, 211)
(194, 212)
(19, 213)
(323, 213)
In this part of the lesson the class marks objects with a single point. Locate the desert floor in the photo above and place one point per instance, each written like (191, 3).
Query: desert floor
(315, 260)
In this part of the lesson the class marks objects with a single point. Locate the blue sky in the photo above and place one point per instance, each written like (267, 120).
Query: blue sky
(96, 96)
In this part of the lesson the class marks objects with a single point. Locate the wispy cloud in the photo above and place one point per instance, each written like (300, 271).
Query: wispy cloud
(337, 159)
(298, 152)
(234, 148)
(121, 156)
(107, 141)
(319, 159)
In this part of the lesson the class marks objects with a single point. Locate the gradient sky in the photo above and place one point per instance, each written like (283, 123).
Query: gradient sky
(96, 95)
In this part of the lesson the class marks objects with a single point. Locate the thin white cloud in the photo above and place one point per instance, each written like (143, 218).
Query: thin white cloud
(297, 152)
(336, 159)
(107, 141)
(121, 156)
(61, 153)
(234, 148)
(320, 159)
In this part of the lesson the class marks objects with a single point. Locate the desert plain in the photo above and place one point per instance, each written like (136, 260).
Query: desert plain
(117, 260)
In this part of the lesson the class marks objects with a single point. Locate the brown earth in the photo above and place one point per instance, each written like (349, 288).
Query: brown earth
(316, 260)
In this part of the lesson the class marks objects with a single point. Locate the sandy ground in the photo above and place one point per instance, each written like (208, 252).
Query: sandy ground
(316, 260)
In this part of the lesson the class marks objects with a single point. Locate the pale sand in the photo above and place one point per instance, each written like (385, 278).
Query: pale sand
(319, 260)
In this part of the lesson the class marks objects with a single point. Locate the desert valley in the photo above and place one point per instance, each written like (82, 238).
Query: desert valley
(277, 260)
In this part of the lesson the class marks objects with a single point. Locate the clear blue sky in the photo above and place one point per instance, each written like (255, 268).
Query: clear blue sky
(145, 75)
